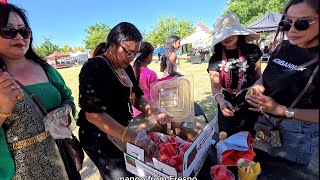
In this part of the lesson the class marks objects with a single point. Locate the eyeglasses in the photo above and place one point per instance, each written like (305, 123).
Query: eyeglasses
(300, 25)
(11, 32)
(130, 54)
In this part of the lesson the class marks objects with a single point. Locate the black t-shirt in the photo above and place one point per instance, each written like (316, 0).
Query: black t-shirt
(101, 91)
(252, 54)
(284, 83)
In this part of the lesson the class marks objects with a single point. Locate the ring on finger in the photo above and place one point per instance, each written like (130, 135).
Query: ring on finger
(20, 97)
(260, 108)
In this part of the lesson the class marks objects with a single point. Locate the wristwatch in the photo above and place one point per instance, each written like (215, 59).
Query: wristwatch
(289, 113)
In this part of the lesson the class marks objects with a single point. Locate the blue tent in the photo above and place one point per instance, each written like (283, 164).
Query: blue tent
(159, 50)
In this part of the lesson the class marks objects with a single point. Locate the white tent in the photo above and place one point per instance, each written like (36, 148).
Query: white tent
(200, 38)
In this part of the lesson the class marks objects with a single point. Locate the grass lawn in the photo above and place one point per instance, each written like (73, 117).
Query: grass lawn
(202, 91)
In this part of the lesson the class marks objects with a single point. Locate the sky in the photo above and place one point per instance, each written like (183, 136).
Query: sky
(65, 21)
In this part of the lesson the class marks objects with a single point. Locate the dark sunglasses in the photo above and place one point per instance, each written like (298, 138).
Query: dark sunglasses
(11, 32)
(300, 25)
(130, 54)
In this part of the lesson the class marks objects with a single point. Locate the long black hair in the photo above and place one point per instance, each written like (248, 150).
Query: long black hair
(241, 43)
(168, 48)
(123, 31)
(100, 49)
(312, 3)
(5, 10)
(145, 50)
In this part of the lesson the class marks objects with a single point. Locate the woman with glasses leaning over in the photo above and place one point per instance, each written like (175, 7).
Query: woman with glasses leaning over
(34, 151)
(107, 90)
(291, 66)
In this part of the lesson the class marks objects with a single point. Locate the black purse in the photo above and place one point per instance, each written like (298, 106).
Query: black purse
(70, 148)
(266, 130)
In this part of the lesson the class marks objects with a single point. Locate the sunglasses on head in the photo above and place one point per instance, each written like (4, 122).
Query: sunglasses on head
(11, 32)
(300, 25)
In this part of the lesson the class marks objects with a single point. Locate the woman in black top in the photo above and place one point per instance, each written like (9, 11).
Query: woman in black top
(233, 67)
(289, 69)
(107, 90)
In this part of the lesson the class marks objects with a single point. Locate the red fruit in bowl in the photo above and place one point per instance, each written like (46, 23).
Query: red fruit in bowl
(177, 158)
(186, 147)
(170, 149)
(215, 169)
(173, 163)
(180, 168)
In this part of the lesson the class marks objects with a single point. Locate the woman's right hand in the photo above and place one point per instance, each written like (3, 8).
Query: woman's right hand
(9, 93)
(150, 148)
(251, 91)
(226, 108)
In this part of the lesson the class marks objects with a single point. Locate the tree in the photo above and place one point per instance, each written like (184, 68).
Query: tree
(79, 48)
(46, 48)
(166, 27)
(66, 49)
(96, 34)
(251, 10)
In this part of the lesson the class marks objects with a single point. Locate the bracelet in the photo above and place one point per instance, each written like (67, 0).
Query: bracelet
(215, 96)
(124, 134)
(5, 115)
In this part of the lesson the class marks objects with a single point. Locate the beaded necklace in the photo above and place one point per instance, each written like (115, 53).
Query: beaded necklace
(226, 73)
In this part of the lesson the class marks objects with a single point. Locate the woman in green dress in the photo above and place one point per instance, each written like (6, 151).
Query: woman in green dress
(34, 152)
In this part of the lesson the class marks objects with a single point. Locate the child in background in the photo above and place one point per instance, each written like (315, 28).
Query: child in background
(143, 74)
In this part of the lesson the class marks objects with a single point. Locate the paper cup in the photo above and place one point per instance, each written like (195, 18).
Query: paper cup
(230, 175)
(242, 168)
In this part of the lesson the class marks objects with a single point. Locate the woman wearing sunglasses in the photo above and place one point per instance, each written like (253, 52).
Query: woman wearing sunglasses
(34, 151)
(107, 91)
(289, 69)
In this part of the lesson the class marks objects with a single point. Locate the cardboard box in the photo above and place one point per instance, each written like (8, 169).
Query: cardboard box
(193, 158)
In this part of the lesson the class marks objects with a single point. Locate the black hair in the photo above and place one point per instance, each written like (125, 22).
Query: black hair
(123, 31)
(312, 3)
(168, 48)
(145, 50)
(241, 43)
(100, 49)
(5, 10)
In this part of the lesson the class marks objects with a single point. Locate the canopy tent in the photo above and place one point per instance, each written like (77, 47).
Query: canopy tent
(267, 23)
(56, 55)
(200, 38)
(159, 50)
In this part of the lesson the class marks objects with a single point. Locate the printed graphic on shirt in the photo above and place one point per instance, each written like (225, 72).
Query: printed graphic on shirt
(288, 65)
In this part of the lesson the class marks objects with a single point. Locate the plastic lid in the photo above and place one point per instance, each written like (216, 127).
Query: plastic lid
(176, 96)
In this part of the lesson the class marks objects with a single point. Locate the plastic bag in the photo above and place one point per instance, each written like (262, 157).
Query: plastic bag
(57, 123)
(237, 146)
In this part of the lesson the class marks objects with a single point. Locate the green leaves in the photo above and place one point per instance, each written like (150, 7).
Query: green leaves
(251, 10)
(46, 48)
(96, 34)
(166, 27)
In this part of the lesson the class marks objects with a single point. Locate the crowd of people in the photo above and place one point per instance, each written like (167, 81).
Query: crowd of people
(115, 84)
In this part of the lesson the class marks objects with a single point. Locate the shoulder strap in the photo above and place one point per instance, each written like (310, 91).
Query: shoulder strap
(33, 97)
(302, 92)
(306, 87)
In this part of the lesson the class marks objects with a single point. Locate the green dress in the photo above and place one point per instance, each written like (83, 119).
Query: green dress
(52, 95)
